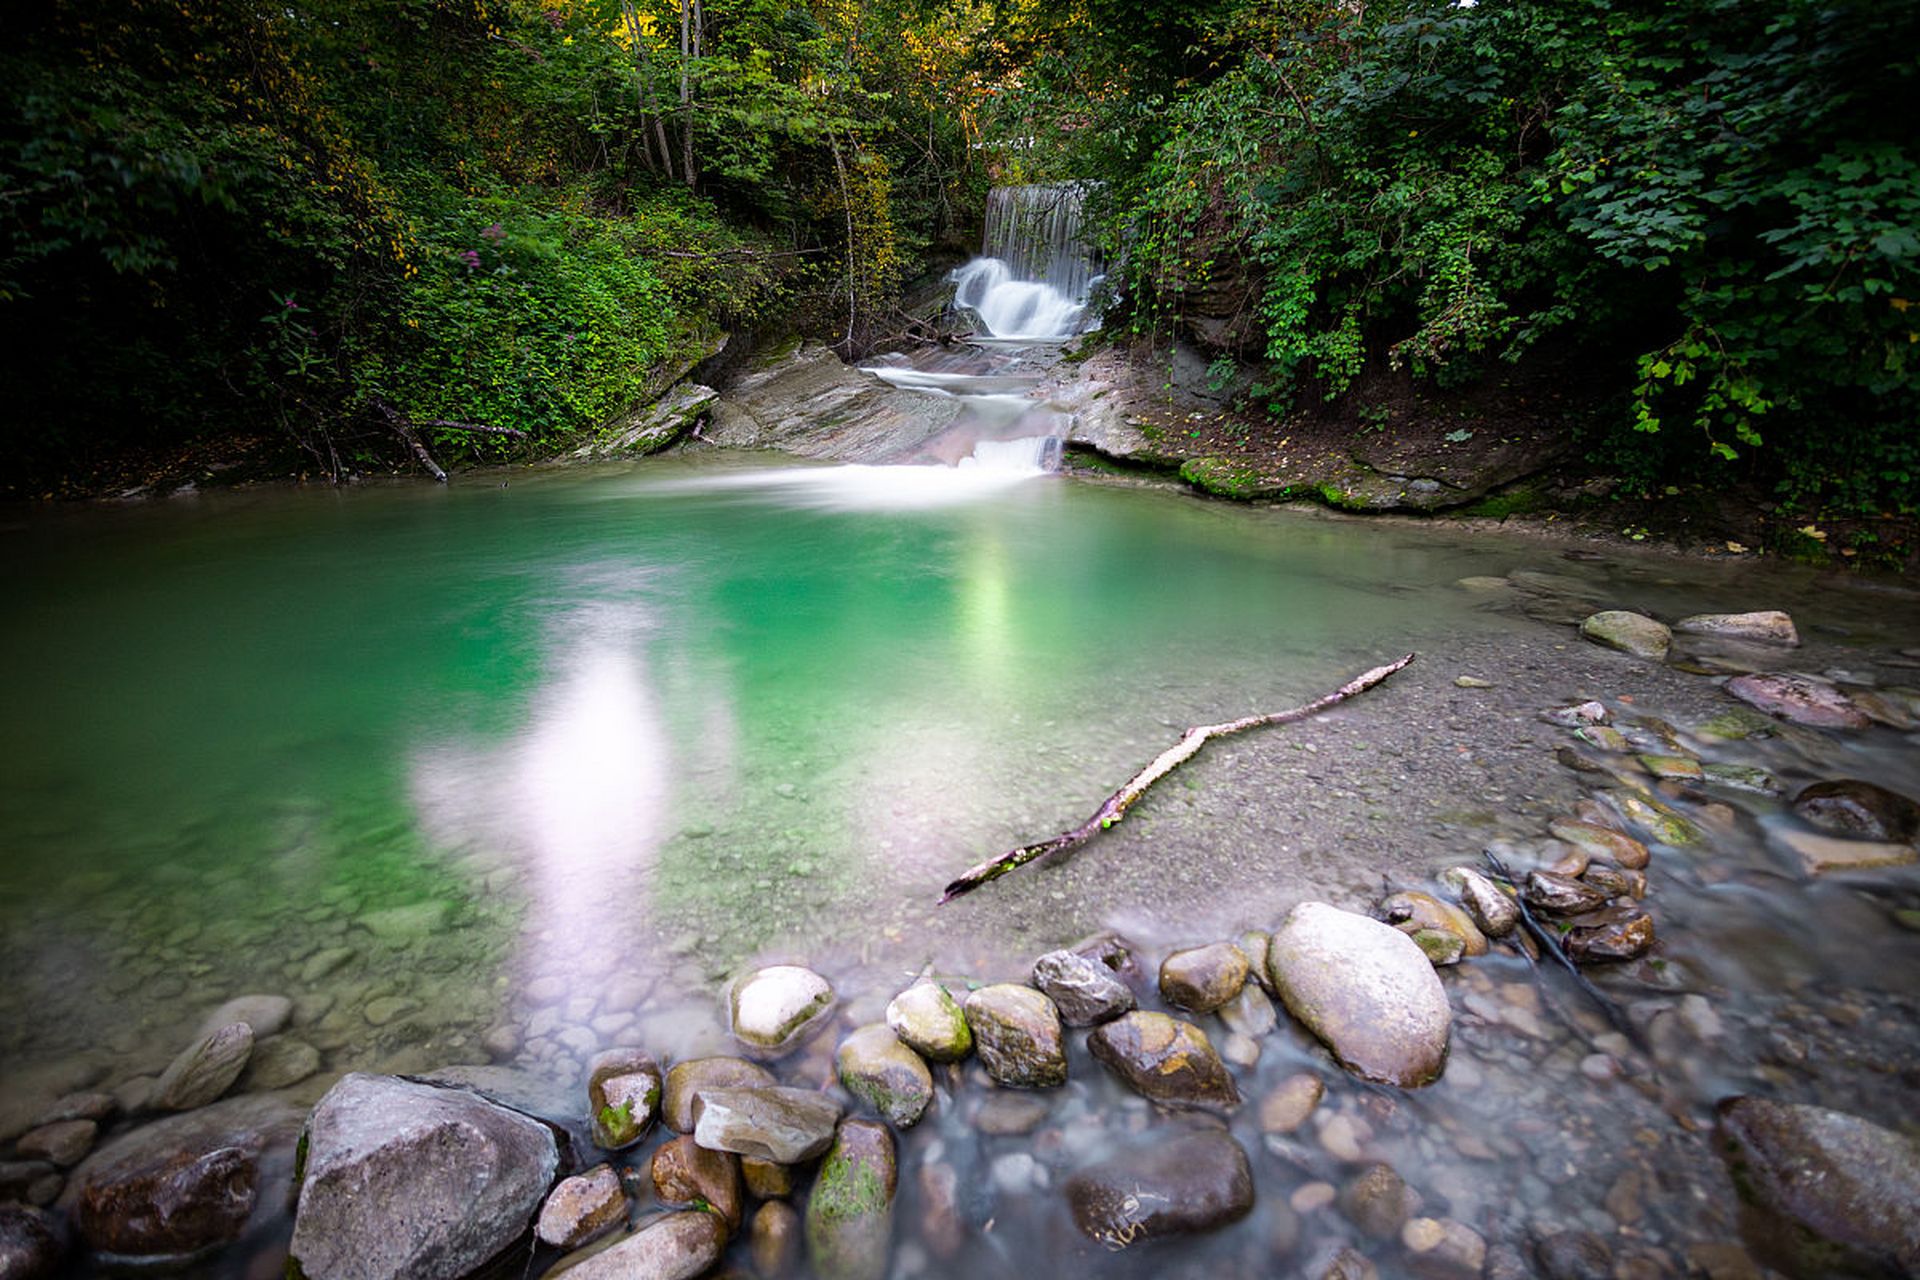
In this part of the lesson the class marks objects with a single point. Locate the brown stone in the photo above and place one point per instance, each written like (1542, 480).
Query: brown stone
(687, 1174)
(775, 1239)
(583, 1208)
(1165, 1059)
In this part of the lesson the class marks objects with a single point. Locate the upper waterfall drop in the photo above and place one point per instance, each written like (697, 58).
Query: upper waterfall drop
(1036, 274)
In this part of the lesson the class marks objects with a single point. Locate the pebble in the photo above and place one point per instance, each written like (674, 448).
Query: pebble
(1310, 1197)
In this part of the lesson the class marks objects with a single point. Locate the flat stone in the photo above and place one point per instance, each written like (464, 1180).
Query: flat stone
(409, 924)
(1085, 991)
(1601, 842)
(267, 1015)
(678, 1246)
(623, 1097)
(64, 1142)
(582, 1209)
(885, 1074)
(1291, 1103)
(1765, 626)
(1016, 1031)
(1852, 807)
(929, 1021)
(474, 1175)
(686, 1079)
(1366, 990)
(279, 1062)
(1006, 1113)
(1658, 820)
(772, 1010)
(686, 1173)
(1801, 699)
(79, 1106)
(1561, 895)
(1629, 632)
(1162, 1187)
(1681, 768)
(849, 1222)
(772, 1122)
(1201, 979)
(1820, 855)
(1164, 1059)
(205, 1069)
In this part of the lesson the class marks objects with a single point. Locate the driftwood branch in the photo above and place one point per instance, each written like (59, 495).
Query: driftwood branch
(403, 428)
(478, 428)
(1116, 805)
(1551, 945)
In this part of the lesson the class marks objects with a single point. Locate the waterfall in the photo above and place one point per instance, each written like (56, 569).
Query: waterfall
(1035, 274)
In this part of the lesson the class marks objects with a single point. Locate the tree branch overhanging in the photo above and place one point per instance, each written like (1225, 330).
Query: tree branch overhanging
(1115, 807)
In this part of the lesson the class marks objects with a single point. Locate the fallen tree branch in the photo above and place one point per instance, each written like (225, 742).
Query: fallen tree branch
(1551, 945)
(1116, 805)
(478, 428)
(403, 428)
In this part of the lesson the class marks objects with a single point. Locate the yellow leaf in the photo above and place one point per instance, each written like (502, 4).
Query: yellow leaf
(1814, 532)
(1736, 547)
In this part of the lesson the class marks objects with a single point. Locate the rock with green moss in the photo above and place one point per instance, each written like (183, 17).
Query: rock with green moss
(888, 1076)
(623, 1097)
(849, 1225)
(1658, 820)
(1629, 632)
(929, 1022)
(774, 1009)
(1017, 1033)
(1165, 1059)
(1228, 478)
(648, 428)
(1601, 842)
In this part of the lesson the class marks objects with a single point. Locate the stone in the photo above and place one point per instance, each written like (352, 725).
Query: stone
(648, 426)
(1251, 1013)
(32, 1244)
(472, 1175)
(1851, 807)
(1411, 911)
(1163, 1187)
(1820, 854)
(1561, 895)
(404, 926)
(1629, 632)
(386, 1009)
(1201, 979)
(17, 1177)
(1671, 767)
(773, 1122)
(279, 1062)
(849, 1223)
(1611, 881)
(766, 1180)
(811, 402)
(1350, 1264)
(188, 1183)
(1604, 737)
(1440, 947)
(1254, 942)
(1366, 990)
(686, 1079)
(1822, 1192)
(1801, 699)
(774, 1239)
(582, 1209)
(1600, 842)
(1005, 1113)
(686, 1173)
(1658, 820)
(1444, 1246)
(1618, 933)
(267, 1015)
(772, 1010)
(1494, 912)
(1164, 1059)
(1766, 626)
(1573, 1255)
(1742, 777)
(1016, 1031)
(885, 1074)
(942, 1229)
(64, 1142)
(1574, 715)
(677, 1246)
(1084, 990)
(1291, 1103)
(79, 1106)
(1472, 682)
(624, 1089)
(205, 1069)
(322, 964)
(928, 1020)
(1379, 1202)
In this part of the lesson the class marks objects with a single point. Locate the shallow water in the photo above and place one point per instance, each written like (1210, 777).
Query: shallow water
(560, 751)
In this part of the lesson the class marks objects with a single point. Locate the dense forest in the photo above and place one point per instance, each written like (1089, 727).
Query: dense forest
(286, 227)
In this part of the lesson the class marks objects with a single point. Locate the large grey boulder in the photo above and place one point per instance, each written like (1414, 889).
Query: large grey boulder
(1823, 1193)
(406, 1180)
(642, 429)
(1364, 988)
(807, 401)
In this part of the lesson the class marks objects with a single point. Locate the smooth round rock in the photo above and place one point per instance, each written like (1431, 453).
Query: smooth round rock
(1411, 911)
(685, 1080)
(1629, 632)
(849, 1223)
(1601, 842)
(279, 1062)
(774, 1009)
(267, 1015)
(1167, 1060)
(582, 1208)
(1379, 1202)
(205, 1069)
(64, 1142)
(774, 1239)
(1016, 1031)
(928, 1020)
(1291, 1103)
(1201, 979)
(678, 1246)
(1164, 1187)
(1366, 990)
(885, 1074)
(1251, 1013)
(1084, 990)
(624, 1089)
(1851, 807)
(686, 1173)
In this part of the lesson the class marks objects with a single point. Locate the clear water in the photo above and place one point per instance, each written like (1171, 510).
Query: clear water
(558, 752)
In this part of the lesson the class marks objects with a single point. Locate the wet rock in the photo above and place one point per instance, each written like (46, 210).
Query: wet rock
(1440, 948)
(1165, 1059)
(1798, 698)
(31, 1243)
(1250, 1013)
(1016, 1031)
(772, 1123)
(1084, 990)
(1820, 854)
(1560, 895)
(678, 1246)
(1411, 912)
(17, 1178)
(79, 1106)
(774, 1241)
(1442, 1246)
(1366, 990)
(849, 1224)
(1350, 1264)
(1742, 777)
(474, 1174)
(1493, 912)
(1291, 1103)
(582, 1209)
(942, 1229)
(1603, 737)
(1202, 979)
(685, 1173)
(1767, 626)
(885, 1074)
(624, 1089)
(686, 1079)
(1600, 842)
(1379, 1202)
(1629, 632)
(1611, 881)
(648, 425)
(1618, 933)
(267, 1015)
(928, 1020)
(1850, 807)
(774, 1009)
(171, 1189)
(278, 1063)
(1888, 708)
(1573, 1255)
(205, 1069)
(1658, 820)
(1254, 942)
(1822, 1192)
(1173, 1186)
(1574, 715)
(1008, 1114)
(1671, 768)
(64, 1142)
(766, 1180)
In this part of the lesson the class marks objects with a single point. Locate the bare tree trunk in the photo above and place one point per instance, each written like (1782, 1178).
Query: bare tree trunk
(846, 203)
(1115, 807)
(690, 32)
(644, 97)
